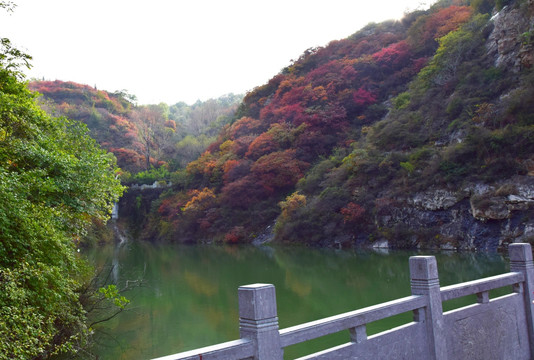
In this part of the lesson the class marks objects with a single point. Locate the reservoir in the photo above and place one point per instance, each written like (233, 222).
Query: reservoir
(188, 294)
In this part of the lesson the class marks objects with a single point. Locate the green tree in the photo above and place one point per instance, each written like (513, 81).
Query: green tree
(53, 180)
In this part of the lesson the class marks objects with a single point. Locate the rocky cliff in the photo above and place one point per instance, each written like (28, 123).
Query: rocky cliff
(510, 42)
(480, 215)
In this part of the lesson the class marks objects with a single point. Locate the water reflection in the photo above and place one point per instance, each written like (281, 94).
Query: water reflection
(191, 295)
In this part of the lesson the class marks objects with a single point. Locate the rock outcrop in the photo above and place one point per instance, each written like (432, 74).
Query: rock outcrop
(478, 217)
(512, 40)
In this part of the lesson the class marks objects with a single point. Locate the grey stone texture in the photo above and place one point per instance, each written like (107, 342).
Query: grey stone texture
(491, 328)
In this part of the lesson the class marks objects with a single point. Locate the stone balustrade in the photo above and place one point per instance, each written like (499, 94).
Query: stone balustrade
(499, 328)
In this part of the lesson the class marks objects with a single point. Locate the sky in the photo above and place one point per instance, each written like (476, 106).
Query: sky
(181, 50)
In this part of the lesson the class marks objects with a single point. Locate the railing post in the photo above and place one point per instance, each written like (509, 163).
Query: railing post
(425, 282)
(521, 261)
(258, 320)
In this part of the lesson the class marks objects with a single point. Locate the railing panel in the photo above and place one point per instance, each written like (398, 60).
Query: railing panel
(314, 329)
(340, 352)
(231, 350)
(481, 285)
(493, 330)
(403, 342)
(521, 261)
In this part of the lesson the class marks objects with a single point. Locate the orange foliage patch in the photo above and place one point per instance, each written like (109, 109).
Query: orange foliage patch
(199, 199)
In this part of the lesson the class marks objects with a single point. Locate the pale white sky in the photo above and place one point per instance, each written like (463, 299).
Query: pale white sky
(181, 50)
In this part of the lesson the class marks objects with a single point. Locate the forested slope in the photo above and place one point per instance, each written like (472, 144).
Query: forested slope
(417, 132)
(407, 133)
(150, 139)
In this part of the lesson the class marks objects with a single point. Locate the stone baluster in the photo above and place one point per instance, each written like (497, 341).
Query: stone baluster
(358, 334)
(425, 282)
(483, 297)
(258, 320)
(521, 261)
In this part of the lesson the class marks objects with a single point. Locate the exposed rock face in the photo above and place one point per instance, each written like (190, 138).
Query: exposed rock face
(479, 217)
(509, 42)
(493, 208)
(435, 199)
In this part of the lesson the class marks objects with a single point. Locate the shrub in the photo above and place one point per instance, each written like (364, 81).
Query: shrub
(402, 101)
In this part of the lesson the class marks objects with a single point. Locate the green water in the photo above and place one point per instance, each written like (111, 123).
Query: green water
(189, 296)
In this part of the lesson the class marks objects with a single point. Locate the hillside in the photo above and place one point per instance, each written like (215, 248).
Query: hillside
(416, 133)
(411, 133)
(141, 137)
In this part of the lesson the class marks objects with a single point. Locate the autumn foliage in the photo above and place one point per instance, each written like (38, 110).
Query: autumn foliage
(141, 137)
(107, 115)
(290, 150)
(352, 213)
(317, 104)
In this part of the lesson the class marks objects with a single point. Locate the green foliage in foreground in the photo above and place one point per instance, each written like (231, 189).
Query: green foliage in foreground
(53, 180)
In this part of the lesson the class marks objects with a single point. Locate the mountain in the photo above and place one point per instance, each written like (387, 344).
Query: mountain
(141, 137)
(411, 133)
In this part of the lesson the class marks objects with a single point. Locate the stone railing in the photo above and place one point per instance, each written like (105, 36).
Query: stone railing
(156, 185)
(497, 328)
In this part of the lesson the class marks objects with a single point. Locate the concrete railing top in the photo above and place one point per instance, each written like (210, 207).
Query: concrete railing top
(353, 319)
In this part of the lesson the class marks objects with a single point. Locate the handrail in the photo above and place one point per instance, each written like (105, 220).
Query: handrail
(314, 329)
(237, 349)
(261, 339)
(477, 286)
